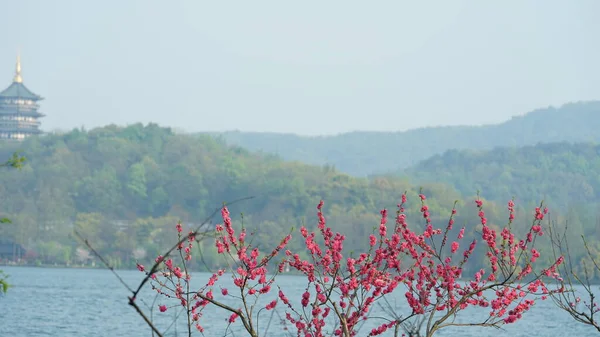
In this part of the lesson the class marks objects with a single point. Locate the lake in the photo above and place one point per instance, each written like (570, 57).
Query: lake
(91, 302)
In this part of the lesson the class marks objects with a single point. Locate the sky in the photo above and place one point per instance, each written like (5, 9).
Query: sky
(310, 68)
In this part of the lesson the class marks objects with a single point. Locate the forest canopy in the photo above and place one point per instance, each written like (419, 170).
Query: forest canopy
(126, 187)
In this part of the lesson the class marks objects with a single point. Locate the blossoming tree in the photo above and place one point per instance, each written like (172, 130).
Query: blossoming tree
(426, 266)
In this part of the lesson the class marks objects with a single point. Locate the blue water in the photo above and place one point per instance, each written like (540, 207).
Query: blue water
(91, 302)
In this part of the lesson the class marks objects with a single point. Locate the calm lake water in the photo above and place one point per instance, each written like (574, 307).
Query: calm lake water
(90, 302)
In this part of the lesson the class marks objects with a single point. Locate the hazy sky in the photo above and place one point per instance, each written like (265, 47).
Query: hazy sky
(305, 67)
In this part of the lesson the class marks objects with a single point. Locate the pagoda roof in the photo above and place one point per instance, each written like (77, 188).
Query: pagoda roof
(19, 90)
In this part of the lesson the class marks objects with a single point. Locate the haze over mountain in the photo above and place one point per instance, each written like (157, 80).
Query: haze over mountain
(364, 153)
(286, 67)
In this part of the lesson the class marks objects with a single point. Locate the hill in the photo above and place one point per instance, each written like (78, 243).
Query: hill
(563, 174)
(365, 153)
(126, 187)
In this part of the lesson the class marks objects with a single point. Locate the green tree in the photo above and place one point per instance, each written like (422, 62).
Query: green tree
(99, 192)
(16, 161)
(136, 184)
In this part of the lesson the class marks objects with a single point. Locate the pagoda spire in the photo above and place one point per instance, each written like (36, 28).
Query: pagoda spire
(18, 78)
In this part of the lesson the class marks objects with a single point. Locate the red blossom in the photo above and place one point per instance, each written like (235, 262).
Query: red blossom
(348, 286)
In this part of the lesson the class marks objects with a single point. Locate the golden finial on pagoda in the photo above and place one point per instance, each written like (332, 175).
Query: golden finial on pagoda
(18, 78)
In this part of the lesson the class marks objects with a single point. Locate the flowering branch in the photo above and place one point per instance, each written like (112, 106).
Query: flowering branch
(342, 289)
(348, 287)
(248, 271)
(194, 236)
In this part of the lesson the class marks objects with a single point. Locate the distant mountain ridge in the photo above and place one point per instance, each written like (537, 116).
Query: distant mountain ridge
(365, 153)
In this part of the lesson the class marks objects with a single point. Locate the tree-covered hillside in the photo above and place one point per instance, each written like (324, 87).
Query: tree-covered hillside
(563, 174)
(365, 153)
(125, 188)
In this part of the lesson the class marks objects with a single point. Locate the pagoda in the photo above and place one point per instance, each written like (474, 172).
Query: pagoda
(19, 110)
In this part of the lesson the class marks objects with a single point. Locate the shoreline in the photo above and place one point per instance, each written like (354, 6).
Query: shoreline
(597, 283)
(104, 268)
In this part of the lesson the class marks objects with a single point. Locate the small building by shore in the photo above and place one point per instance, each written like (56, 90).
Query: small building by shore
(11, 251)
